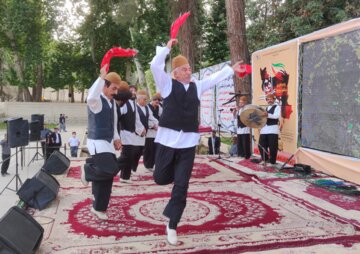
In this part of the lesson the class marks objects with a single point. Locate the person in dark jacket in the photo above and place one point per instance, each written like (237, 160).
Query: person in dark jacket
(214, 143)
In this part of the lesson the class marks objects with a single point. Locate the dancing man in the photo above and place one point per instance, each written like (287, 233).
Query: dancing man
(150, 147)
(178, 128)
(132, 133)
(102, 141)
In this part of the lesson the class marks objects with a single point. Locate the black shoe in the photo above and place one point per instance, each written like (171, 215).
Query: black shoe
(5, 174)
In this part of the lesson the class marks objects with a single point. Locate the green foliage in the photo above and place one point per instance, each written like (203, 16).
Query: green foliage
(275, 21)
(27, 29)
(215, 38)
(151, 28)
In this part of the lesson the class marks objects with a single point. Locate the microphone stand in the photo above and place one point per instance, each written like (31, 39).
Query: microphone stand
(218, 130)
(263, 151)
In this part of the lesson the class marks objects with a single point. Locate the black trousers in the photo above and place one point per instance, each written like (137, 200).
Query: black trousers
(137, 153)
(270, 143)
(100, 169)
(174, 166)
(129, 160)
(51, 148)
(149, 153)
(243, 145)
(5, 163)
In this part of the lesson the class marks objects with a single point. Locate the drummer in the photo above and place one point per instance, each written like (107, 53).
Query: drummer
(243, 132)
(269, 134)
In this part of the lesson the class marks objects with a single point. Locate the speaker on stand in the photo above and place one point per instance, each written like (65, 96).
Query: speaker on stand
(18, 136)
(35, 136)
(40, 118)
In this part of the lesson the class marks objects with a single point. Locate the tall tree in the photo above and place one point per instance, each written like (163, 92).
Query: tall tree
(25, 28)
(217, 49)
(235, 10)
(190, 35)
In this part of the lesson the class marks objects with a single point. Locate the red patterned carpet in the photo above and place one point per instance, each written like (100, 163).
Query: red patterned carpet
(229, 210)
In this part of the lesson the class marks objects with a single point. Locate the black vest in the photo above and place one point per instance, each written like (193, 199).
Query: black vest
(144, 119)
(155, 111)
(127, 121)
(269, 120)
(181, 108)
(101, 125)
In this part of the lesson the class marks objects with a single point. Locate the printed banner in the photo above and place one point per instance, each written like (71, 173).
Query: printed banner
(212, 110)
(275, 71)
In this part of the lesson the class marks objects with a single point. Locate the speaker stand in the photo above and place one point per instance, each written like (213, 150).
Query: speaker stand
(16, 177)
(37, 154)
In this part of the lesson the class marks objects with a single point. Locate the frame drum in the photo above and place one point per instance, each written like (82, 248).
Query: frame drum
(253, 116)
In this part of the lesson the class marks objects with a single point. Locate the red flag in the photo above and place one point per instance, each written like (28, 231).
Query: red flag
(246, 69)
(116, 52)
(177, 24)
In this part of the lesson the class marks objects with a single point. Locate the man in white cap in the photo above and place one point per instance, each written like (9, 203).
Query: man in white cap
(178, 134)
(103, 140)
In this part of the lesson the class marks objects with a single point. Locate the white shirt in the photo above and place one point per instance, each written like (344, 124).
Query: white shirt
(95, 105)
(239, 130)
(151, 133)
(132, 138)
(272, 129)
(163, 81)
(74, 141)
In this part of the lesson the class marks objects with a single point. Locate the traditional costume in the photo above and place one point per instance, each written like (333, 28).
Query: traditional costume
(177, 134)
(101, 168)
(269, 134)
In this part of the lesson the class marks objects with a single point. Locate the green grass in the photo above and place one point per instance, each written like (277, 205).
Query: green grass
(226, 140)
(50, 126)
(2, 126)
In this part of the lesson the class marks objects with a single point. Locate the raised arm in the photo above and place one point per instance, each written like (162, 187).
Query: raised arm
(219, 76)
(93, 99)
(157, 66)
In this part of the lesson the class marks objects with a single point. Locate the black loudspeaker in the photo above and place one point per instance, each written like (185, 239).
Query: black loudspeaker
(302, 168)
(39, 191)
(18, 132)
(34, 131)
(19, 232)
(40, 118)
(56, 164)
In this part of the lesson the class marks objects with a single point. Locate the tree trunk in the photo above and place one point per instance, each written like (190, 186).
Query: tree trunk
(82, 95)
(187, 32)
(236, 33)
(71, 92)
(23, 92)
(37, 90)
(128, 71)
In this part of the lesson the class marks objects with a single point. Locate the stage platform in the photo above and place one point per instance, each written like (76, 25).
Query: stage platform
(234, 206)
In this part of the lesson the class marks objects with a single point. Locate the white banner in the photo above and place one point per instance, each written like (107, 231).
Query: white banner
(212, 110)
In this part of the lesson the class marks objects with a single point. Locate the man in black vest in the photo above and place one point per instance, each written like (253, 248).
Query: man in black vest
(55, 142)
(269, 134)
(132, 133)
(214, 143)
(243, 132)
(150, 147)
(178, 134)
(103, 140)
(148, 121)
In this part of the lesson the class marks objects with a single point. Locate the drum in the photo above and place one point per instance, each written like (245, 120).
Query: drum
(253, 116)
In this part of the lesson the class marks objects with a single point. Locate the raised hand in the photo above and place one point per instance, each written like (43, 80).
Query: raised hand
(237, 68)
(172, 42)
(103, 71)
